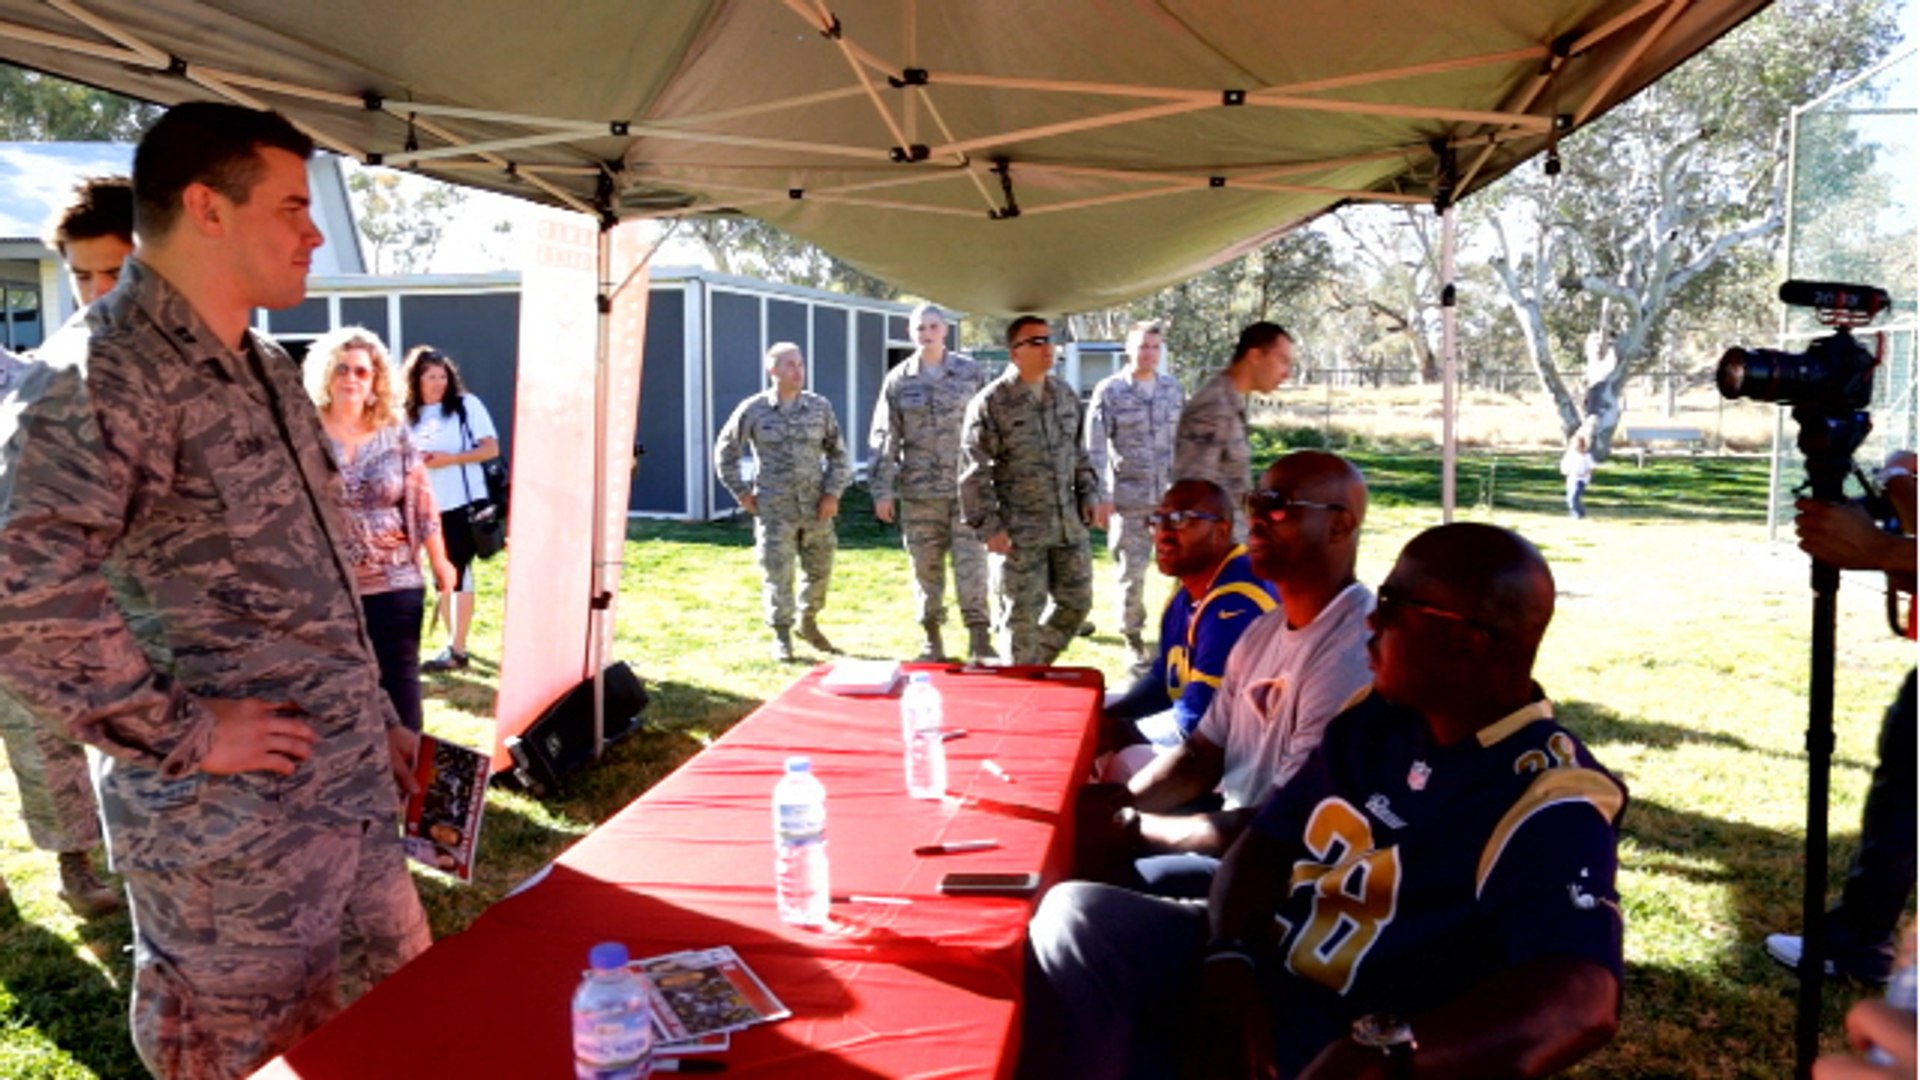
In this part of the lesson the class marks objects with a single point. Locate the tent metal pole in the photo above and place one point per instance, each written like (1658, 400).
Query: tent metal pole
(946, 132)
(1069, 127)
(1525, 121)
(1612, 26)
(545, 138)
(600, 610)
(560, 195)
(1619, 71)
(1449, 452)
(866, 81)
(798, 102)
(1212, 97)
(1188, 181)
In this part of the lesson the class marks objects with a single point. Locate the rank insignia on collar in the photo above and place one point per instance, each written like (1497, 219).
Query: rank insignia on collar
(1417, 776)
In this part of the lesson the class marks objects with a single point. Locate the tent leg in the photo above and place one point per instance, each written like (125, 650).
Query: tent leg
(600, 611)
(1449, 377)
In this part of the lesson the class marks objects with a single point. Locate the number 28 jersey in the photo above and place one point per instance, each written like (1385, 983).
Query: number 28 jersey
(1420, 869)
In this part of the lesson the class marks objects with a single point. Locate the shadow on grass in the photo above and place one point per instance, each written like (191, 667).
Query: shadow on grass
(1597, 725)
(70, 1002)
(857, 528)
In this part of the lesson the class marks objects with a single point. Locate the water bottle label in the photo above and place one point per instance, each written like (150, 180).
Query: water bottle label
(801, 823)
(613, 1038)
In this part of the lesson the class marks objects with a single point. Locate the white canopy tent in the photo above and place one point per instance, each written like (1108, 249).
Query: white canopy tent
(993, 155)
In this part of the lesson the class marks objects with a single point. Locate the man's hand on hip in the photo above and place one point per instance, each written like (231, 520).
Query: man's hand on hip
(251, 735)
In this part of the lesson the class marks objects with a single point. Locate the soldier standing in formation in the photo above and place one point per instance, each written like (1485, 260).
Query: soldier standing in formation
(249, 787)
(800, 469)
(1027, 488)
(1212, 440)
(916, 456)
(94, 235)
(1130, 426)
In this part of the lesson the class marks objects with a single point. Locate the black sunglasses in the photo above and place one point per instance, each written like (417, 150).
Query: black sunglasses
(1272, 506)
(1037, 339)
(1178, 519)
(1388, 601)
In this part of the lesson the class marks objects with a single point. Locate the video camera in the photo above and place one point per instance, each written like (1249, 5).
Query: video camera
(1835, 371)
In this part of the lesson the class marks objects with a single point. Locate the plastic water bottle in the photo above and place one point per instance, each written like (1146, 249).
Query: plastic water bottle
(612, 1019)
(800, 845)
(920, 724)
(1901, 994)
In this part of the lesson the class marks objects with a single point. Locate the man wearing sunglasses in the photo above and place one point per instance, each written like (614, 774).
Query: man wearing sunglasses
(1211, 441)
(1027, 489)
(1219, 598)
(1432, 894)
(1130, 422)
(1292, 670)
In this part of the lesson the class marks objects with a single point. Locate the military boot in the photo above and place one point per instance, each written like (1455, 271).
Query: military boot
(980, 643)
(783, 644)
(82, 889)
(810, 633)
(932, 649)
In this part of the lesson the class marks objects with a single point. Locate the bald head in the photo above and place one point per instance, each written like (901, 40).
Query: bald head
(1490, 573)
(1318, 476)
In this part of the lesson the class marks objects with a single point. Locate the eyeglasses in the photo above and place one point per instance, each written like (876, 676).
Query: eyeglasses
(1037, 339)
(1178, 519)
(1389, 601)
(1272, 506)
(355, 370)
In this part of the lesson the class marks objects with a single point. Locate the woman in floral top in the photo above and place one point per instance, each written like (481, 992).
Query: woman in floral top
(390, 512)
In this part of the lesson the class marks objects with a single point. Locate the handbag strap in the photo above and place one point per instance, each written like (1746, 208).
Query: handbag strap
(467, 434)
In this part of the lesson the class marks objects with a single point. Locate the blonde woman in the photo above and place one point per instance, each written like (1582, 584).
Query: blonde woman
(390, 513)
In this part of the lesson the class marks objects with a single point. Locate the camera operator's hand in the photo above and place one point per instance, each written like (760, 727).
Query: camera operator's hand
(1847, 537)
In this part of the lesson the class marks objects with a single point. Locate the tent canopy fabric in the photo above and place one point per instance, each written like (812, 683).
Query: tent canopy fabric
(994, 155)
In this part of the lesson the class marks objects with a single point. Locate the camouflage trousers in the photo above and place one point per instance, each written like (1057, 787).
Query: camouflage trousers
(1025, 580)
(779, 544)
(932, 531)
(1130, 538)
(56, 790)
(235, 961)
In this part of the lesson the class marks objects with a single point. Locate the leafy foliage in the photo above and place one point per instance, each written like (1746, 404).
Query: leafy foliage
(41, 108)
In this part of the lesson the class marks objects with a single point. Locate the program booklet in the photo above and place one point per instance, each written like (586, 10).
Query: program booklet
(442, 826)
(704, 991)
(862, 677)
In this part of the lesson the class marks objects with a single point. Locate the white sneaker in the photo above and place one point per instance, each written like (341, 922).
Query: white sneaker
(1785, 949)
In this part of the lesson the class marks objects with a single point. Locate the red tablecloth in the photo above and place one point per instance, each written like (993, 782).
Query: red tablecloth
(929, 989)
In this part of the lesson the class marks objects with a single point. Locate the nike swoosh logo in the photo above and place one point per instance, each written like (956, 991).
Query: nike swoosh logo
(1225, 615)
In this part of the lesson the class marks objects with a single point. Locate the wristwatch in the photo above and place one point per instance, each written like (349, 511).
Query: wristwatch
(1392, 1036)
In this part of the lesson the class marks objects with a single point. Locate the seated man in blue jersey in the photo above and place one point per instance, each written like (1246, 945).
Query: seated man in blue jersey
(1431, 895)
(1290, 673)
(1219, 597)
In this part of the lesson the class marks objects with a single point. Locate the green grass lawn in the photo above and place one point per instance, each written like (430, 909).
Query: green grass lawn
(1678, 652)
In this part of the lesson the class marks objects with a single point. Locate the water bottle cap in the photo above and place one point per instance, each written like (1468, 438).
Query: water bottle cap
(607, 956)
(799, 764)
(921, 677)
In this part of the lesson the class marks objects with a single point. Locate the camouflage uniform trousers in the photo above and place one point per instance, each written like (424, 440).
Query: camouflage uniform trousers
(235, 961)
(1025, 579)
(1130, 538)
(779, 543)
(930, 529)
(56, 790)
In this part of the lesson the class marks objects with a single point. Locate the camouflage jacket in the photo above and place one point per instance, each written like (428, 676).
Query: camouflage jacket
(798, 454)
(916, 428)
(1130, 428)
(1024, 468)
(1212, 440)
(199, 475)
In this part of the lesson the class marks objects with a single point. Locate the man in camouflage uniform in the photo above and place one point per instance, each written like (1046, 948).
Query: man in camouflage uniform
(94, 235)
(800, 469)
(1211, 443)
(1130, 425)
(916, 458)
(249, 786)
(1027, 488)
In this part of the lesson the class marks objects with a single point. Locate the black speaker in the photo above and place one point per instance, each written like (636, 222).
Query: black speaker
(560, 743)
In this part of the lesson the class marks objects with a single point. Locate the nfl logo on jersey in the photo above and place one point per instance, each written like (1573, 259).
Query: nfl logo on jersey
(1417, 776)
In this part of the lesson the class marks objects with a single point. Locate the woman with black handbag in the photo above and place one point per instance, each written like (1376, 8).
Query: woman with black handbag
(457, 435)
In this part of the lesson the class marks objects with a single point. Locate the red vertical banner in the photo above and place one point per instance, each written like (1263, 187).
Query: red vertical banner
(552, 537)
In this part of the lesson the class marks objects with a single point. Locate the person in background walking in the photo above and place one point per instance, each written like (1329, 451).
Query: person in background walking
(1577, 466)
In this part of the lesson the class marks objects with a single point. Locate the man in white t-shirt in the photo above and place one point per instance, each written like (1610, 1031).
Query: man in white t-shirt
(1291, 672)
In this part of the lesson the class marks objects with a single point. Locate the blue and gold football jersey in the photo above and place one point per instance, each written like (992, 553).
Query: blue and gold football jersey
(1420, 869)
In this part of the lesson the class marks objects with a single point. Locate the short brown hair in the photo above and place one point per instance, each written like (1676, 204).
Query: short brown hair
(101, 206)
(205, 142)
